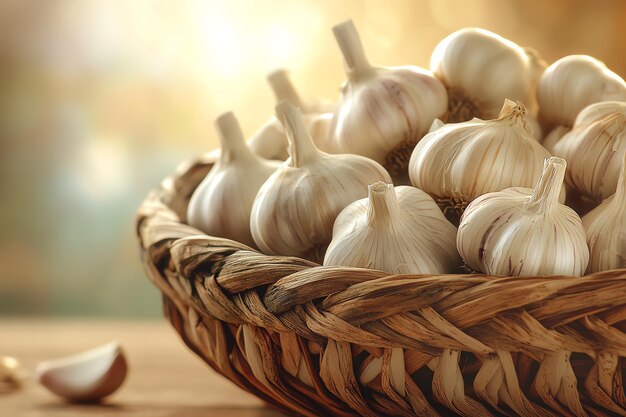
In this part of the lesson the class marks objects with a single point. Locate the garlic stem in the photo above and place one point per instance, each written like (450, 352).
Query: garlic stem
(545, 196)
(513, 111)
(232, 141)
(352, 49)
(283, 88)
(383, 207)
(301, 147)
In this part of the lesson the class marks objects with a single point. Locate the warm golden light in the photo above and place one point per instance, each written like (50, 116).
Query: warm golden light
(102, 99)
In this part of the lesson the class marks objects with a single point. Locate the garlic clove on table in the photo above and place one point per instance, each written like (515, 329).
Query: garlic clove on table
(11, 374)
(88, 376)
(383, 111)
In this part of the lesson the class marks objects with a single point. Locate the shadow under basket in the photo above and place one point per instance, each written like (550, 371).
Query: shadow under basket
(335, 341)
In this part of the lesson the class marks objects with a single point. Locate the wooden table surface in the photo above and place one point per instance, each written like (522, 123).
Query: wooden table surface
(165, 378)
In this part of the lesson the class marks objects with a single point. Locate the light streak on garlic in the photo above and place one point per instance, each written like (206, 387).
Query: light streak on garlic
(400, 231)
(458, 162)
(481, 69)
(571, 84)
(594, 149)
(221, 204)
(383, 111)
(294, 211)
(605, 227)
(88, 376)
(270, 140)
(525, 232)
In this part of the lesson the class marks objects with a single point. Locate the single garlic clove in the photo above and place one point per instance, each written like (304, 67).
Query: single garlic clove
(605, 227)
(594, 149)
(480, 69)
(571, 84)
(88, 376)
(11, 374)
(383, 111)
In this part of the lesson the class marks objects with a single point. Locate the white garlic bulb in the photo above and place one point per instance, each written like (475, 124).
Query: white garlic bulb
(594, 149)
(294, 211)
(270, 141)
(458, 162)
(221, 204)
(605, 227)
(400, 231)
(481, 69)
(525, 232)
(571, 84)
(383, 111)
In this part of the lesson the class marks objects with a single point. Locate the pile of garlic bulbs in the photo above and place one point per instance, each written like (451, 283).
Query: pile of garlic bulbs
(490, 140)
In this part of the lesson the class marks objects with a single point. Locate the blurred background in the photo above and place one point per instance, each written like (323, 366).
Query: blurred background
(101, 99)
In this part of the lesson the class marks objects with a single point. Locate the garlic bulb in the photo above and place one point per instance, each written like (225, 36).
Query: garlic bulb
(383, 111)
(270, 141)
(605, 227)
(221, 204)
(594, 149)
(400, 231)
(521, 231)
(481, 69)
(456, 163)
(294, 211)
(572, 83)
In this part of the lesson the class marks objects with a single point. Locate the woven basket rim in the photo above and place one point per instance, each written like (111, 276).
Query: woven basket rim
(302, 336)
(355, 295)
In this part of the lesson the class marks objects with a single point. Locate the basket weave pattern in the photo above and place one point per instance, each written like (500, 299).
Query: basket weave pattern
(321, 341)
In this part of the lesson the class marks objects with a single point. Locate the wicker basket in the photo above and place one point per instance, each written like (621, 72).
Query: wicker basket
(321, 341)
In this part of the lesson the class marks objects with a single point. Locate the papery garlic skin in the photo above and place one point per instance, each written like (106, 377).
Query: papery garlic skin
(571, 84)
(594, 149)
(400, 231)
(524, 232)
(221, 204)
(605, 227)
(294, 211)
(462, 161)
(481, 69)
(383, 111)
